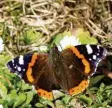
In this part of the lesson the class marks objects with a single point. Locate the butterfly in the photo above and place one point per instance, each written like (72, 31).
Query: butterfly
(69, 69)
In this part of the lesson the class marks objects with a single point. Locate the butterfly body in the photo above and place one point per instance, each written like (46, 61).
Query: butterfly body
(70, 68)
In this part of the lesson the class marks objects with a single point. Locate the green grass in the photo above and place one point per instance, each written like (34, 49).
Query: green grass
(26, 25)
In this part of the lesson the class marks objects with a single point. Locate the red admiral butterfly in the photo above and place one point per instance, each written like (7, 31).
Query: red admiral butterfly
(70, 68)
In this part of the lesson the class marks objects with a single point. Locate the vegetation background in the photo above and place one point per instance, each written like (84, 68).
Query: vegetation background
(25, 25)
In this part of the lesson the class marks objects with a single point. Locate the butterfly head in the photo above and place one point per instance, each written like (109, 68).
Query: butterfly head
(54, 54)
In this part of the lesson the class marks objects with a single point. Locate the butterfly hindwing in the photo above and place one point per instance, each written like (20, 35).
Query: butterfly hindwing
(82, 60)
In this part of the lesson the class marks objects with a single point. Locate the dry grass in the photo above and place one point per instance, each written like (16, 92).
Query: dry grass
(54, 16)
(51, 17)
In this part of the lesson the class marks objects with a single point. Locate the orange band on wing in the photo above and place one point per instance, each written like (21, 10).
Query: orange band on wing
(30, 65)
(45, 94)
(80, 88)
(80, 56)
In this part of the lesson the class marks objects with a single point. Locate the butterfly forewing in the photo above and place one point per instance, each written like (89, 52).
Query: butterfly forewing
(35, 69)
(92, 55)
(81, 61)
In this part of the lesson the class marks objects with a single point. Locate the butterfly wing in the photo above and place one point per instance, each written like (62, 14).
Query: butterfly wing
(72, 66)
(89, 56)
(69, 68)
(19, 64)
(35, 69)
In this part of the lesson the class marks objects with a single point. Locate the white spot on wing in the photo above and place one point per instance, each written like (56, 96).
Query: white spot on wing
(98, 46)
(21, 60)
(97, 64)
(12, 61)
(97, 54)
(15, 67)
(90, 59)
(89, 49)
(94, 57)
(71, 66)
(19, 69)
